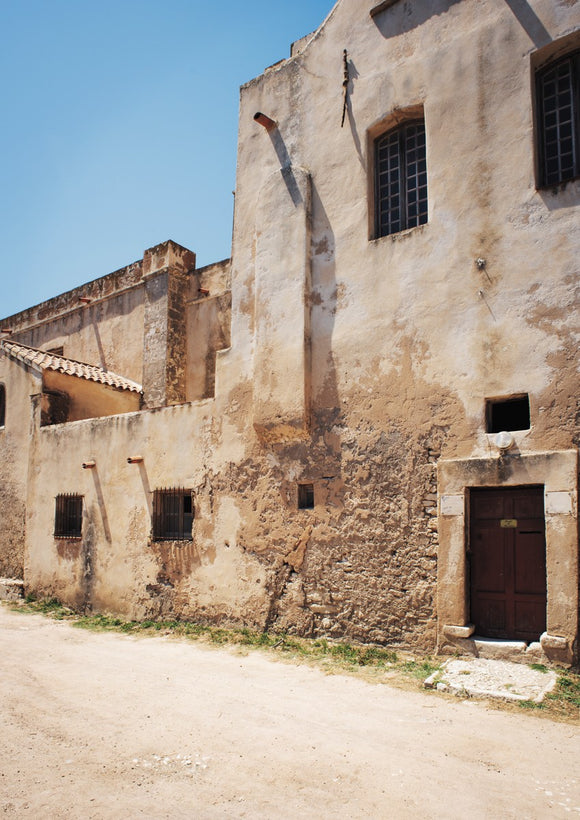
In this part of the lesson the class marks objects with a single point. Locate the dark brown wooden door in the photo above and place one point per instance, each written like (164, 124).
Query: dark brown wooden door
(507, 548)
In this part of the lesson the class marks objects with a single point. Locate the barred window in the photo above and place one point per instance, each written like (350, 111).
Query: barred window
(2, 405)
(68, 518)
(558, 127)
(401, 179)
(172, 515)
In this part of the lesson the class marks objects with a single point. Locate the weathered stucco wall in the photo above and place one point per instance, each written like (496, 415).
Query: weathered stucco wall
(208, 324)
(409, 333)
(107, 331)
(115, 566)
(354, 364)
(19, 384)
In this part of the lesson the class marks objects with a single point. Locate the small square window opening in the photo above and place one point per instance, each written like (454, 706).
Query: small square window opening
(173, 515)
(306, 496)
(507, 414)
(68, 518)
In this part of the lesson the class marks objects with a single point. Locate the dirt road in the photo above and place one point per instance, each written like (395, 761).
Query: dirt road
(109, 726)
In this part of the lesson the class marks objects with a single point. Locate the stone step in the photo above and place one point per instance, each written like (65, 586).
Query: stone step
(494, 649)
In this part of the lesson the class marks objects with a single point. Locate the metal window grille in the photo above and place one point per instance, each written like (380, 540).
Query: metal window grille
(558, 95)
(68, 519)
(401, 179)
(172, 515)
(306, 496)
(2, 405)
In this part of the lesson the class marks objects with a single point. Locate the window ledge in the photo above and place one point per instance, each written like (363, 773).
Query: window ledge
(400, 235)
(557, 187)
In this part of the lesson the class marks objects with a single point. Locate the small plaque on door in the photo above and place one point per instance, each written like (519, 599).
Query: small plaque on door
(508, 523)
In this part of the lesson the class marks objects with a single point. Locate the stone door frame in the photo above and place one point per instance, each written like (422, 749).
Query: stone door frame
(557, 471)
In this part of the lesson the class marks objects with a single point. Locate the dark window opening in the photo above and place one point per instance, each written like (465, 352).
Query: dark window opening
(56, 351)
(172, 515)
(558, 126)
(68, 519)
(306, 496)
(2, 405)
(400, 179)
(508, 414)
(54, 407)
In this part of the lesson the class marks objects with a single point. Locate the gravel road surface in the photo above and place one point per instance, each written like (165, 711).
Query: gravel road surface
(111, 726)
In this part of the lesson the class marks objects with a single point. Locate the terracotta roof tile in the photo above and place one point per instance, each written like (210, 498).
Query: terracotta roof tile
(41, 360)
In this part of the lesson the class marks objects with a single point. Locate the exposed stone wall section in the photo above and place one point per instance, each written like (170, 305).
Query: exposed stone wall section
(12, 515)
(166, 269)
(362, 564)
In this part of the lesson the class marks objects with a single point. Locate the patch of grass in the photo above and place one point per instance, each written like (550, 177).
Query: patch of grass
(421, 669)
(564, 702)
(46, 606)
(538, 667)
(567, 690)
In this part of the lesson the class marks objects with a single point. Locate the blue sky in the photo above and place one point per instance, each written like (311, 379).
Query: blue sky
(119, 129)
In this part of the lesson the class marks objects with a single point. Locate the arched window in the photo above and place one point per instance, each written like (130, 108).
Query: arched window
(400, 179)
(558, 124)
(2, 405)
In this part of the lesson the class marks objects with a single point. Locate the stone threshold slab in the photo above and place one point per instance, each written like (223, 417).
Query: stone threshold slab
(501, 680)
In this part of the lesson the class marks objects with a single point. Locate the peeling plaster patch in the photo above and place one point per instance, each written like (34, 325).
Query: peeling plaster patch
(229, 446)
(295, 559)
(228, 520)
(294, 470)
(272, 461)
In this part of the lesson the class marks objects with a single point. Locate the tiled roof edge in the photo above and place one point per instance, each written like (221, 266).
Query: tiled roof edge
(40, 360)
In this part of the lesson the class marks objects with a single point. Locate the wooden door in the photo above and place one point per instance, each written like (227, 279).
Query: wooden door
(507, 550)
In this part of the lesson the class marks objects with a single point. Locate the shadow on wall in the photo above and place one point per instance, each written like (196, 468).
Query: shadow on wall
(403, 17)
(350, 90)
(530, 22)
(285, 165)
(101, 503)
(325, 397)
(95, 325)
(146, 488)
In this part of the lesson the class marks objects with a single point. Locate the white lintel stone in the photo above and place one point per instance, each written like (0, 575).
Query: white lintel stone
(559, 503)
(452, 505)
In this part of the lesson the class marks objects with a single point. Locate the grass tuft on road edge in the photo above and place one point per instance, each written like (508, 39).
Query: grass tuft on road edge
(402, 669)
(341, 654)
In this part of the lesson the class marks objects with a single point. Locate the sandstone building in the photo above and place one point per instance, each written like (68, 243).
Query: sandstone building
(366, 423)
